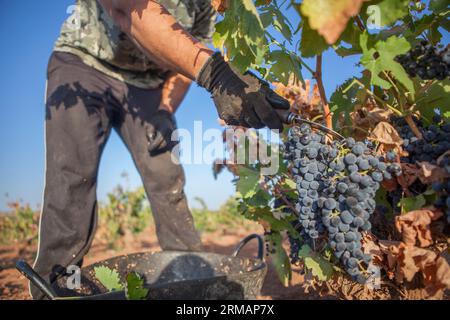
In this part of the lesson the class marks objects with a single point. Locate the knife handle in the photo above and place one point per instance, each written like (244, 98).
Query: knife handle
(286, 116)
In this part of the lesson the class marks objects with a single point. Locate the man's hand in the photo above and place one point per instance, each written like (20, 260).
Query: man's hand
(241, 100)
(159, 132)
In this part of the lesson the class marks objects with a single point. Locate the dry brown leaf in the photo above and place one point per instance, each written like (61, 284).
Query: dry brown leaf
(390, 185)
(330, 18)
(391, 250)
(441, 280)
(435, 270)
(414, 260)
(429, 173)
(409, 175)
(386, 134)
(220, 5)
(370, 246)
(403, 262)
(415, 226)
(368, 117)
(304, 100)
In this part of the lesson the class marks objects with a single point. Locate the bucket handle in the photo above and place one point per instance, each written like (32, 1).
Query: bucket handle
(25, 269)
(246, 240)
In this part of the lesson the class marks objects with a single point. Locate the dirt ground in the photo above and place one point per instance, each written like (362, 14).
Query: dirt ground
(13, 284)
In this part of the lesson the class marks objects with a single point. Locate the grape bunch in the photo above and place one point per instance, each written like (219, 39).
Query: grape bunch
(442, 188)
(435, 142)
(426, 62)
(436, 139)
(336, 185)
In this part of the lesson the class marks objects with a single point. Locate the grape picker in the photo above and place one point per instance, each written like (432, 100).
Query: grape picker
(126, 65)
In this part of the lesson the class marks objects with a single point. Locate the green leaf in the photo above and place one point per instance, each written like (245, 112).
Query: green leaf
(250, 6)
(351, 37)
(319, 267)
(242, 34)
(379, 57)
(108, 278)
(343, 102)
(259, 199)
(221, 33)
(430, 196)
(283, 66)
(266, 18)
(351, 34)
(438, 5)
(280, 259)
(135, 287)
(243, 57)
(248, 181)
(311, 42)
(412, 203)
(381, 199)
(282, 25)
(437, 96)
(382, 13)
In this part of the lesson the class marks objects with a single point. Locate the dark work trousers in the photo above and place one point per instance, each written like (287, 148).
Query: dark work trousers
(82, 107)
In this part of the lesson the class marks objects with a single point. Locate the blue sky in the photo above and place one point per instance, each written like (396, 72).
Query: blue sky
(28, 30)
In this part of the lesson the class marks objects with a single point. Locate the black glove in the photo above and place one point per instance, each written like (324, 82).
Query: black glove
(159, 132)
(241, 100)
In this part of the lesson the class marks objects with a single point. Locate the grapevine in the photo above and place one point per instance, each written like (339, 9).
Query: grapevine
(381, 195)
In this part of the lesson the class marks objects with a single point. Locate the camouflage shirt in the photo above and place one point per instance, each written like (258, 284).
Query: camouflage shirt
(91, 34)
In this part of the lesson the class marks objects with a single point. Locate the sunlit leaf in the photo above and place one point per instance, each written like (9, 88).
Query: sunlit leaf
(379, 58)
(109, 278)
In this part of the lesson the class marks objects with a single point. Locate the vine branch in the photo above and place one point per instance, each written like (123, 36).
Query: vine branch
(323, 97)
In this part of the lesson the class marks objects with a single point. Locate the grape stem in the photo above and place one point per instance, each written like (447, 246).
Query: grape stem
(409, 120)
(323, 97)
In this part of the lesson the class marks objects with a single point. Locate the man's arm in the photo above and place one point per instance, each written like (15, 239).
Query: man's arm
(241, 100)
(173, 92)
(159, 35)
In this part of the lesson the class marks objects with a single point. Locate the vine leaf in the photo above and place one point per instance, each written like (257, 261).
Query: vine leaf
(281, 260)
(242, 33)
(437, 96)
(252, 26)
(381, 13)
(319, 267)
(381, 198)
(343, 102)
(330, 18)
(284, 65)
(311, 43)
(135, 287)
(414, 226)
(248, 182)
(384, 133)
(351, 37)
(438, 5)
(108, 278)
(412, 203)
(379, 57)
